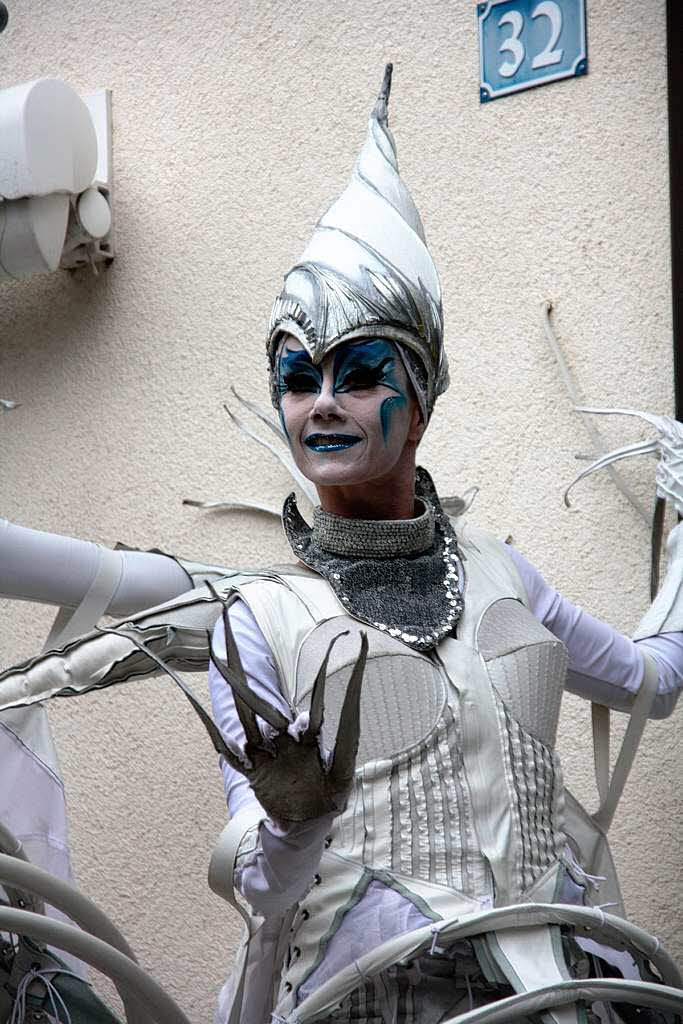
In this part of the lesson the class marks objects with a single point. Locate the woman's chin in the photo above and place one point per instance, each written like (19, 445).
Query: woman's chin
(336, 472)
(334, 477)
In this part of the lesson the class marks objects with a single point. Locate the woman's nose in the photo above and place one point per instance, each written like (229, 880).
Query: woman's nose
(326, 405)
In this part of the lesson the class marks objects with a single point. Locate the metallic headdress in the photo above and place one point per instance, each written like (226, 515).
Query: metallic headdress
(367, 272)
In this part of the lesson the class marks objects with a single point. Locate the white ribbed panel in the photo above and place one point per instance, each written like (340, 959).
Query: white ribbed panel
(537, 785)
(413, 815)
(420, 826)
(403, 693)
(440, 873)
(402, 823)
(432, 829)
(377, 813)
(531, 682)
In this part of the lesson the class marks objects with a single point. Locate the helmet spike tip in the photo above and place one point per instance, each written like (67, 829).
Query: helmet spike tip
(382, 104)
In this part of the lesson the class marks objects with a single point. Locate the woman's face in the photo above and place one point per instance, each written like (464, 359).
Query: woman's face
(349, 418)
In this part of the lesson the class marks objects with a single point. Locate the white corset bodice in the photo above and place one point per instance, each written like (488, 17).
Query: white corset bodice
(457, 802)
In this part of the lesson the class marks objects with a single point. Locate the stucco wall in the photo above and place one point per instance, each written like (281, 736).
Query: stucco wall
(235, 125)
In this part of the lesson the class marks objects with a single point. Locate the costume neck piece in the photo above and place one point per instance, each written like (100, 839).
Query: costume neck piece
(374, 538)
(400, 576)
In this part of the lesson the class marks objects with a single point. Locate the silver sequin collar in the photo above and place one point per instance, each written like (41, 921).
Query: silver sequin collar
(374, 538)
(413, 595)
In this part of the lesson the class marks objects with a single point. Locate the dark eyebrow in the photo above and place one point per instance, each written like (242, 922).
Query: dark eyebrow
(294, 355)
(361, 352)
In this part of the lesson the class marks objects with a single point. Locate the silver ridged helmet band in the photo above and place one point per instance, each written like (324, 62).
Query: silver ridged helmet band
(367, 272)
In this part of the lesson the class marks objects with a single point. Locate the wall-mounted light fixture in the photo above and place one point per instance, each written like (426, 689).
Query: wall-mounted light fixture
(55, 178)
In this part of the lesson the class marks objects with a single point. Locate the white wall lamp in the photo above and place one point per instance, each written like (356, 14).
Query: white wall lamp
(55, 178)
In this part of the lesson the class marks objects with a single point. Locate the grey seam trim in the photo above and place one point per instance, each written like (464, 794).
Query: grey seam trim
(548, 804)
(414, 830)
(519, 776)
(462, 826)
(20, 743)
(466, 830)
(542, 798)
(431, 818)
(395, 819)
(447, 825)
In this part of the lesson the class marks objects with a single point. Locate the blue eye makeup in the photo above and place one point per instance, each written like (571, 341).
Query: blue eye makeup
(357, 367)
(367, 365)
(297, 374)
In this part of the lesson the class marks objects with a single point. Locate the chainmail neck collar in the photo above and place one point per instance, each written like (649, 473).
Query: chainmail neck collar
(374, 538)
(400, 576)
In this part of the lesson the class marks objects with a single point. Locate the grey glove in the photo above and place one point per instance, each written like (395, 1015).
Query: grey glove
(292, 778)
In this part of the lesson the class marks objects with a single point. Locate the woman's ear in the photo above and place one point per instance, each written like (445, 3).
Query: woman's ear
(417, 424)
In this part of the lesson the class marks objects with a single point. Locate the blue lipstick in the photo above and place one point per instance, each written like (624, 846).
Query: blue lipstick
(331, 442)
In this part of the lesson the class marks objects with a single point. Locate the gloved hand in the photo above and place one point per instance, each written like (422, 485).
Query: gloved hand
(292, 776)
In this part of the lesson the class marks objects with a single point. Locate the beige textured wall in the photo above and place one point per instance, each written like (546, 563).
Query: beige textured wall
(235, 124)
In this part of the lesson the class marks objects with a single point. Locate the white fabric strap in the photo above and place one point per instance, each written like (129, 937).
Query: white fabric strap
(71, 623)
(610, 794)
(601, 737)
(221, 876)
(222, 863)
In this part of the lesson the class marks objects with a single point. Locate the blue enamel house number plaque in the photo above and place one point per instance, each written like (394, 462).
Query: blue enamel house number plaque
(523, 43)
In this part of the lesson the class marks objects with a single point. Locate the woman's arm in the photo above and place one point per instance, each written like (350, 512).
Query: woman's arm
(604, 665)
(276, 866)
(51, 569)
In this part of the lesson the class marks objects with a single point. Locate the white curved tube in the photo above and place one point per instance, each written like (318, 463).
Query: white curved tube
(162, 1009)
(10, 845)
(587, 920)
(638, 993)
(21, 874)
(577, 402)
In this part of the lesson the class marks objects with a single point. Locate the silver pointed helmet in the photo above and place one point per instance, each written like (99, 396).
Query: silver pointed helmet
(367, 272)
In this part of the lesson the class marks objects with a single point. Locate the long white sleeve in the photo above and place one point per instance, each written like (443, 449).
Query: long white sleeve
(604, 665)
(51, 569)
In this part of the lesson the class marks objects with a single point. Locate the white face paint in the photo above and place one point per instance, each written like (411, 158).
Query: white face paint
(349, 418)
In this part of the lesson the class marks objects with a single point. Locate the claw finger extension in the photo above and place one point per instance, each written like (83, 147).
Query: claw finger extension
(212, 729)
(639, 448)
(317, 711)
(248, 703)
(348, 733)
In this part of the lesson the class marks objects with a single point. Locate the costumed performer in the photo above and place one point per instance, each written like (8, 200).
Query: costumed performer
(457, 805)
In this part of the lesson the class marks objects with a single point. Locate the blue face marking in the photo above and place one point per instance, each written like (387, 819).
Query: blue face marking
(297, 373)
(371, 364)
(357, 367)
